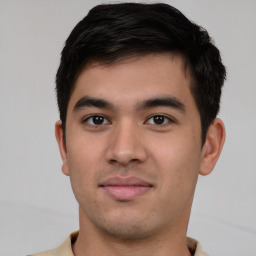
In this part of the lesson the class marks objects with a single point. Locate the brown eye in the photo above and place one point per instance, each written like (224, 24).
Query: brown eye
(96, 120)
(159, 120)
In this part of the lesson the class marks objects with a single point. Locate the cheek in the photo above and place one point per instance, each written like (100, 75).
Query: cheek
(80, 162)
(177, 160)
(83, 153)
(82, 158)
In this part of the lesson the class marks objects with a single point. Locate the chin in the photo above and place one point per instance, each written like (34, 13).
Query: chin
(127, 232)
(127, 228)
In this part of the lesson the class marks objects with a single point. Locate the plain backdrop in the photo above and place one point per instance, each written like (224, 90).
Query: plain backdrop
(37, 206)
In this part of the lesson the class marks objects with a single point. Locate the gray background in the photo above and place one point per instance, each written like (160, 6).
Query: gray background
(37, 207)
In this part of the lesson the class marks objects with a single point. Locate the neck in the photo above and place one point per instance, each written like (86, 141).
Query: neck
(92, 242)
(148, 247)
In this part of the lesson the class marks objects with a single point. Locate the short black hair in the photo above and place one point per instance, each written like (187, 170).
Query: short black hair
(112, 32)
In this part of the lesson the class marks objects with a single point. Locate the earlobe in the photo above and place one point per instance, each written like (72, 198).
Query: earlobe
(214, 142)
(62, 146)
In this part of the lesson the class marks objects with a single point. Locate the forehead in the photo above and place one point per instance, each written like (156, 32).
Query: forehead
(134, 79)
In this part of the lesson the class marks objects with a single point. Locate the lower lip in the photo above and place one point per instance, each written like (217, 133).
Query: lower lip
(124, 193)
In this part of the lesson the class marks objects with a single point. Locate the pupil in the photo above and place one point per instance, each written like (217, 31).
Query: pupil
(98, 120)
(158, 119)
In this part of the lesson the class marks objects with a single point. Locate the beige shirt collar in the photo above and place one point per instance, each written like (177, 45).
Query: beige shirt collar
(65, 249)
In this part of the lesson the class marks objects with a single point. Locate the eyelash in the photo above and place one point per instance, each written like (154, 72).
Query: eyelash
(86, 120)
(167, 120)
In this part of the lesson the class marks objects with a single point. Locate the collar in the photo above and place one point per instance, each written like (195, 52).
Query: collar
(65, 249)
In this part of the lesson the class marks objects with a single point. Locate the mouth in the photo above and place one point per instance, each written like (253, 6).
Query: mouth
(125, 188)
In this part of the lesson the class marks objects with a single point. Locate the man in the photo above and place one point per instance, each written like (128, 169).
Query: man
(138, 91)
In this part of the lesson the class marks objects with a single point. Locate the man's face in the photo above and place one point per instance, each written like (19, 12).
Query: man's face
(133, 146)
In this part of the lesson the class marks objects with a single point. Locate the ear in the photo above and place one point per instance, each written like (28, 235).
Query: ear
(62, 147)
(215, 138)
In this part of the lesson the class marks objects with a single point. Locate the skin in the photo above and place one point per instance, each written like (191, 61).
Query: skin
(158, 143)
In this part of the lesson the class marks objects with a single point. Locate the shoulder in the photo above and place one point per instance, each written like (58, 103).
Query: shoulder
(195, 247)
(46, 253)
(65, 249)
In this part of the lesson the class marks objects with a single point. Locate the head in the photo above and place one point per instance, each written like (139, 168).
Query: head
(110, 33)
(138, 91)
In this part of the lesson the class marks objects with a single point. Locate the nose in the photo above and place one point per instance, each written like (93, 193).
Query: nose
(126, 146)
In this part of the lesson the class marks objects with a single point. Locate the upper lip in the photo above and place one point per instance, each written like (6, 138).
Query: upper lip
(125, 181)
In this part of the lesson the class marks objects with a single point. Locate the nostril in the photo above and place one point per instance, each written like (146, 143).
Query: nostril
(124, 162)
(112, 161)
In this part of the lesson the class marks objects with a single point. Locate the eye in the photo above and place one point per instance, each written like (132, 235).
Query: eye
(159, 120)
(96, 120)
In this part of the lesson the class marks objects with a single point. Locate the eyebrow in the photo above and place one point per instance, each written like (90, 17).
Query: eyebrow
(92, 102)
(171, 102)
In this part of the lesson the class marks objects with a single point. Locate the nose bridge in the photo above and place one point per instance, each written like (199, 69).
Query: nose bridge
(126, 144)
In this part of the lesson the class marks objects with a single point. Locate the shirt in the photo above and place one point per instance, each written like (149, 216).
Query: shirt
(65, 249)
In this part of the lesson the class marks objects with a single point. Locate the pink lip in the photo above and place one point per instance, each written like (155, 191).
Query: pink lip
(125, 188)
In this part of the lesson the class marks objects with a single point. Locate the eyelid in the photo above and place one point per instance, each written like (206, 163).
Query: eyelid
(170, 120)
(86, 118)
